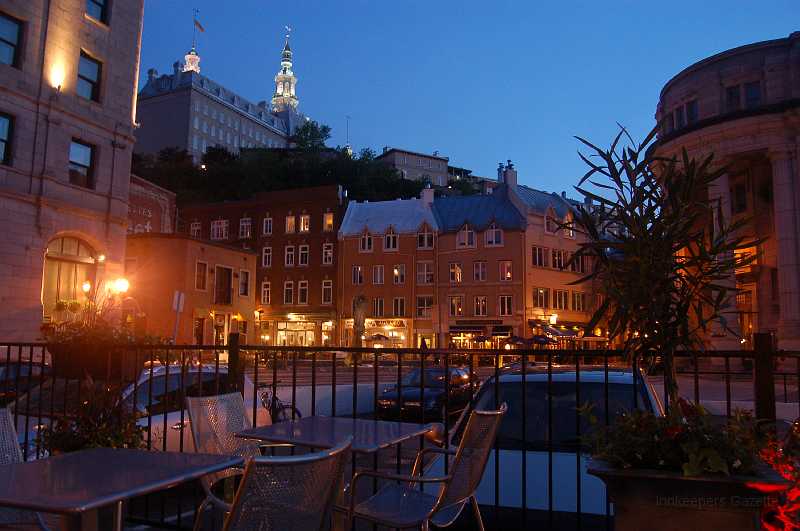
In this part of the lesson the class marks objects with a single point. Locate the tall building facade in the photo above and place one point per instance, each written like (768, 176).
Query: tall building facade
(188, 111)
(742, 106)
(417, 166)
(68, 74)
(294, 233)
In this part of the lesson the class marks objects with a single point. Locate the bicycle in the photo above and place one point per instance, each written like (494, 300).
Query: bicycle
(278, 411)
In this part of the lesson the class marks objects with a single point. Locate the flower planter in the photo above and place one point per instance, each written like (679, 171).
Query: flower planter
(100, 361)
(658, 500)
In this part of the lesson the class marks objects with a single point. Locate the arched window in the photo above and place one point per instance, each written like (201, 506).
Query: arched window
(68, 264)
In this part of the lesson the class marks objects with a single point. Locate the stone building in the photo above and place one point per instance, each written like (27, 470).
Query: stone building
(68, 73)
(186, 110)
(743, 106)
(417, 166)
(294, 233)
(387, 255)
(151, 208)
(215, 281)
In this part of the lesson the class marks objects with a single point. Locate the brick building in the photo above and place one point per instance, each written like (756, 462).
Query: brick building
(742, 106)
(151, 208)
(68, 73)
(387, 255)
(217, 282)
(294, 233)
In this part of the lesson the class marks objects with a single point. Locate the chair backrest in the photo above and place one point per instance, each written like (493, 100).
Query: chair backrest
(10, 451)
(215, 420)
(289, 493)
(467, 466)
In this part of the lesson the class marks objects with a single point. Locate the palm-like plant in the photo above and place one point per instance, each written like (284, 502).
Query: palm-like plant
(662, 254)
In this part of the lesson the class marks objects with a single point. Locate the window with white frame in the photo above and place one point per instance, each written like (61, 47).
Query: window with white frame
(578, 301)
(290, 221)
(377, 274)
(541, 297)
(424, 306)
(327, 254)
(456, 273)
(576, 264)
(493, 236)
(288, 292)
(550, 224)
(266, 227)
(302, 292)
(390, 241)
(506, 305)
(399, 307)
(219, 229)
(424, 272)
(365, 243)
(481, 306)
(195, 229)
(506, 271)
(327, 222)
(288, 256)
(358, 275)
(244, 283)
(465, 237)
(399, 274)
(245, 227)
(425, 238)
(456, 305)
(479, 271)
(539, 256)
(377, 307)
(302, 255)
(305, 223)
(266, 257)
(327, 292)
(266, 293)
(560, 299)
(559, 258)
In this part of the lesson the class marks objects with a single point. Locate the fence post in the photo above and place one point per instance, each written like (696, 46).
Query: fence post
(764, 377)
(234, 369)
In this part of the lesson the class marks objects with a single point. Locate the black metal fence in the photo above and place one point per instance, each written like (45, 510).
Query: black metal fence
(536, 474)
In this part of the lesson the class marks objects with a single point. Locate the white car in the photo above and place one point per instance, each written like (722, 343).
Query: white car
(560, 420)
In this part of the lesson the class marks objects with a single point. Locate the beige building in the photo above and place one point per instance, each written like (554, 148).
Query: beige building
(417, 166)
(68, 71)
(743, 105)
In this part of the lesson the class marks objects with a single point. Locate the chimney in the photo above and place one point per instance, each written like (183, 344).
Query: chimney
(510, 174)
(426, 195)
(176, 68)
(563, 194)
(500, 169)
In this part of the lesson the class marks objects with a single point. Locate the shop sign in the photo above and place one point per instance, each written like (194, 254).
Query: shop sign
(378, 323)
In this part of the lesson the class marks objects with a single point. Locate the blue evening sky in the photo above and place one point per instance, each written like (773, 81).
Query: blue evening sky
(479, 81)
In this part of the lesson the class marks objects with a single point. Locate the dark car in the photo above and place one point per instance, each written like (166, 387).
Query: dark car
(421, 396)
(17, 378)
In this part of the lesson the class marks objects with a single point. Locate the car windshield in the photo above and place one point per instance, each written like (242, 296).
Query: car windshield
(433, 378)
(554, 424)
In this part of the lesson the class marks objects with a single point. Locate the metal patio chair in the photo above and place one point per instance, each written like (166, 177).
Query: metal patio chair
(294, 493)
(401, 504)
(214, 422)
(11, 453)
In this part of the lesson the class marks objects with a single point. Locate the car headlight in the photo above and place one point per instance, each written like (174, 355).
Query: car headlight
(384, 402)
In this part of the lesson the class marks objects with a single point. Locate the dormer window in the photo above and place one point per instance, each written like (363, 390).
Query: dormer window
(494, 236)
(390, 240)
(365, 243)
(425, 238)
(466, 237)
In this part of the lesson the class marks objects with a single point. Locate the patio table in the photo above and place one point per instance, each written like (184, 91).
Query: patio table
(80, 482)
(369, 436)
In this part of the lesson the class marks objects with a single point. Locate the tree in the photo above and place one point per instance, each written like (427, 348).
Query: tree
(661, 251)
(311, 136)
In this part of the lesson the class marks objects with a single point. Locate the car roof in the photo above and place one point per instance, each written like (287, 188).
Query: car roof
(558, 374)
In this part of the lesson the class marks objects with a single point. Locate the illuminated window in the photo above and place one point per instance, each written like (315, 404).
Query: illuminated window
(305, 223)
(506, 305)
(456, 274)
(81, 164)
(98, 10)
(10, 33)
(290, 220)
(399, 274)
(89, 72)
(327, 222)
(541, 297)
(506, 270)
(68, 264)
(327, 254)
(456, 305)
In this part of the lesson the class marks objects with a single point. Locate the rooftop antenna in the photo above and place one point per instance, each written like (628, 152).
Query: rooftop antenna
(348, 129)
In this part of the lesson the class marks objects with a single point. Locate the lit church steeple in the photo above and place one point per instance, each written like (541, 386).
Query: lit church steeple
(285, 81)
(191, 61)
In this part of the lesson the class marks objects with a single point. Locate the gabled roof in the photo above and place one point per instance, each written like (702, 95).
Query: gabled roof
(540, 201)
(402, 215)
(478, 211)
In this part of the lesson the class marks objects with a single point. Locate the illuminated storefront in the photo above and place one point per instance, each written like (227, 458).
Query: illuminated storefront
(297, 330)
(380, 333)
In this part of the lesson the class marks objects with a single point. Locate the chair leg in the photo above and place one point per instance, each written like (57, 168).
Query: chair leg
(198, 519)
(477, 511)
(424, 526)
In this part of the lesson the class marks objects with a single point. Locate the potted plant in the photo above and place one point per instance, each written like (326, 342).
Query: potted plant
(663, 256)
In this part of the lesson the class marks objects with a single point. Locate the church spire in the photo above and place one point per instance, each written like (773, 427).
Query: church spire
(285, 97)
(191, 61)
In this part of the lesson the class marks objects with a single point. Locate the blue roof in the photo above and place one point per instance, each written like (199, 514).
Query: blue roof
(540, 201)
(478, 211)
(402, 215)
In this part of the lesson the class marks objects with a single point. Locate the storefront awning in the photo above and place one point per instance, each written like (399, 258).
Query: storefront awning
(566, 333)
(468, 329)
(503, 331)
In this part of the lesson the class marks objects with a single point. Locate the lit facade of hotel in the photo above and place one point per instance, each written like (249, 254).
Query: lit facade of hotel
(68, 73)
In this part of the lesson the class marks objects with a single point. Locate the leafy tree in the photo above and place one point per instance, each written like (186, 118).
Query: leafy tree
(662, 255)
(463, 186)
(311, 136)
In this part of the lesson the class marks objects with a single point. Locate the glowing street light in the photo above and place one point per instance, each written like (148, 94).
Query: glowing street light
(86, 286)
(121, 285)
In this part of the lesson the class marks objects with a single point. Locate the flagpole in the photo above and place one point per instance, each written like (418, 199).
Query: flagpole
(194, 28)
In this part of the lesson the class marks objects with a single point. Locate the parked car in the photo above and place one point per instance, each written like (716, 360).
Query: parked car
(551, 440)
(423, 395)
(16, 378)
